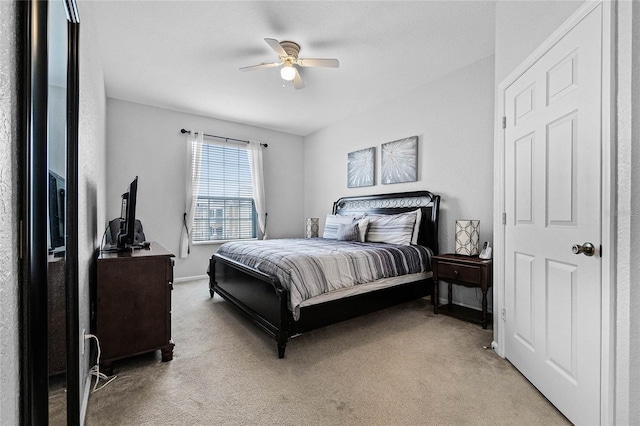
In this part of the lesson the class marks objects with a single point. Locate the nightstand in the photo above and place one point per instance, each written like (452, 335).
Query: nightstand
(470, 271)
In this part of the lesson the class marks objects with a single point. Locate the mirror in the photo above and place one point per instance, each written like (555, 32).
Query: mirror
(50, 388)
(56, 235)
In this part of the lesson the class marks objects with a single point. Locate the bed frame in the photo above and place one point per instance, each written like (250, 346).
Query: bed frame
(265, 301)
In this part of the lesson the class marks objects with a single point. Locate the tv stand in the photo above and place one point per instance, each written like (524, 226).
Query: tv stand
(133, 304)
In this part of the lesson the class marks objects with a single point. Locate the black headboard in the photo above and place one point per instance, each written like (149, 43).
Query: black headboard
(399, 202)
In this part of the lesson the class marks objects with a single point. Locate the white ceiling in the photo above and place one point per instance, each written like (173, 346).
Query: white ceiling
(185, 55)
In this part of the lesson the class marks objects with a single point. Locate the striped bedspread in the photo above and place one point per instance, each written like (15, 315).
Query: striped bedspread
(310, 267)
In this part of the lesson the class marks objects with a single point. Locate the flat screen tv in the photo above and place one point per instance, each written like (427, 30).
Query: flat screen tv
(126, 236)
(56, 211)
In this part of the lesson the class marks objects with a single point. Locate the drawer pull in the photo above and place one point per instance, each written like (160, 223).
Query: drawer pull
(455, 272)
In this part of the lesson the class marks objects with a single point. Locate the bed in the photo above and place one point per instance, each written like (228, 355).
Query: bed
(272, 300)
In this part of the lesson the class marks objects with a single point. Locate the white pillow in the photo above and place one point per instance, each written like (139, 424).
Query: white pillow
(363, 227)
(392, 229)
(416, 227)
(332, 223)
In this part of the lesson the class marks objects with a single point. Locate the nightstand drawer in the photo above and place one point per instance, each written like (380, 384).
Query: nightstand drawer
(461, 273)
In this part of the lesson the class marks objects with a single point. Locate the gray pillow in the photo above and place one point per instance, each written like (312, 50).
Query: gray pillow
(348, 232)
(332, 223)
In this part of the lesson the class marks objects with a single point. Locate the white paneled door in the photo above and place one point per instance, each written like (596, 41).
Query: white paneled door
(553, 207)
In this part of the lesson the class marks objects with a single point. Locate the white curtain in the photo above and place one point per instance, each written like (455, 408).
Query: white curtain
(255, 160)
(194, 153)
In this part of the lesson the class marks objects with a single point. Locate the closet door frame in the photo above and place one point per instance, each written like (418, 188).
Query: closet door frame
(33, 245)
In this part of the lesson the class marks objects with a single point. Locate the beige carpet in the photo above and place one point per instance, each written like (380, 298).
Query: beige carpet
(399, 366)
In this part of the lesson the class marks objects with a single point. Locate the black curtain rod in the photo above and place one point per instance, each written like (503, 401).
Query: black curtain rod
(220, 137)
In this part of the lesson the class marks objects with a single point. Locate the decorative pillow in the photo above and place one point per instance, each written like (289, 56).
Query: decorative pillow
(332, 224)
(363, 226)
(392, 229)
(416, 227)
(348, 232)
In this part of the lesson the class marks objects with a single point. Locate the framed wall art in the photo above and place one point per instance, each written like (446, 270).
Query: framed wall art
(400, 161)
(361, 168)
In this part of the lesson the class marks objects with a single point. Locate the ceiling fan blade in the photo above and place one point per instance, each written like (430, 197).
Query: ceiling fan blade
(297, 80)
(275, 45)
(317, 62)
(261, 66)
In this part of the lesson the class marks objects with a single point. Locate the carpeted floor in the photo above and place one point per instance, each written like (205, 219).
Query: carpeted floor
(399, 366)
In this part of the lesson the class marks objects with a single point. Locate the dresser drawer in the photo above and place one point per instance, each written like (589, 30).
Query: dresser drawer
(461, 273)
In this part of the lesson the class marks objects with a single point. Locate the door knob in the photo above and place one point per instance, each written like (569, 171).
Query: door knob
(587, 249)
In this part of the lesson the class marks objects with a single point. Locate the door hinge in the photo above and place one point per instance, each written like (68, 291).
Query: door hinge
(504, 122)
(503, 314)
(504, 218)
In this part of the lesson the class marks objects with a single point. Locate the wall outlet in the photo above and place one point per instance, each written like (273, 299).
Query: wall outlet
(82, 341)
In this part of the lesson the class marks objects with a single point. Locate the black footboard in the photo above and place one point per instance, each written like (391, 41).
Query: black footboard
(264, 300)
(258, 295)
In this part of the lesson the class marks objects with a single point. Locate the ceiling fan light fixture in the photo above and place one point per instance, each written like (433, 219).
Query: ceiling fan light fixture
(287, 52)
(288, 72)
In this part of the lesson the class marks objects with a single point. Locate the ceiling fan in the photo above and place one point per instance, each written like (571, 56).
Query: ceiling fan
(288, 52)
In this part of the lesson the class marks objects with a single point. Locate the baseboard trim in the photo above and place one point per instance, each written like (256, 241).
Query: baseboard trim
(192, 278)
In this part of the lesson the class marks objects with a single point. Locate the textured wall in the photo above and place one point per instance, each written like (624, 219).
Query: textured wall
(627, 215)
(634, 321)
(9, 321)
(91, 166)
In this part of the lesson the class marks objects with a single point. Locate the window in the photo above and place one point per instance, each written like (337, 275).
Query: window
(225, 209)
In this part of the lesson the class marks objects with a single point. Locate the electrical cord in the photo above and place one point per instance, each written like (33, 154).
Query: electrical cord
(104, 237)
(103, 241)
(95, 370)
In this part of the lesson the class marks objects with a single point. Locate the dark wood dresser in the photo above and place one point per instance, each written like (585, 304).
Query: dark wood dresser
(57, 314)
(133, 304)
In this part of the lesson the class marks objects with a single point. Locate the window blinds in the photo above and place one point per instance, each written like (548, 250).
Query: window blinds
(225, 208)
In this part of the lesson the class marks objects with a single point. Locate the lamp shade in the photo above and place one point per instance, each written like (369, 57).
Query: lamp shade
(313, 225)
(467, 237)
